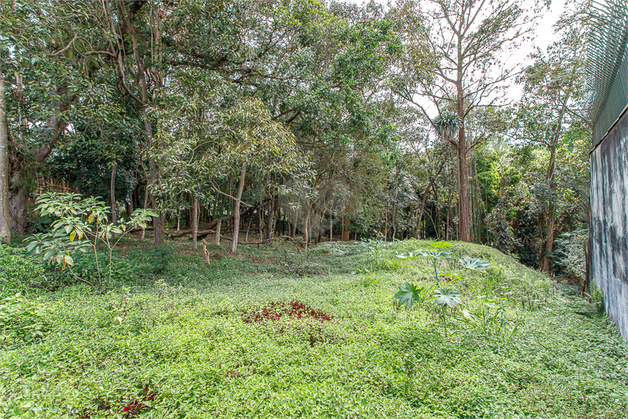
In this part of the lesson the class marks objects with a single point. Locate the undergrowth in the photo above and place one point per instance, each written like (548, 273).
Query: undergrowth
(185, 340)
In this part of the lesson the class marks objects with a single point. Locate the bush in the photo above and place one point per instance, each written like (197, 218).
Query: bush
(85, 267)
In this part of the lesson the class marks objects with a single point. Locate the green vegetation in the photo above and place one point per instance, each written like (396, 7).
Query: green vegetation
(276, 332)
(279, 127)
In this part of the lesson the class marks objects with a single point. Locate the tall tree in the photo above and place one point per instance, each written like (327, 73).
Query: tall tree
(48, 91)
(553, 102)
(469, 39)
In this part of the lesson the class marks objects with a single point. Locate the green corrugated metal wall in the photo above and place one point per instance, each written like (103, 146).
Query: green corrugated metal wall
(607, 63)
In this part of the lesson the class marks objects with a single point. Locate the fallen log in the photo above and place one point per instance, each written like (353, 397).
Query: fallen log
(210, 227)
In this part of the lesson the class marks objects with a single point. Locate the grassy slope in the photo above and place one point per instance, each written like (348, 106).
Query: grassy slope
(184, 337)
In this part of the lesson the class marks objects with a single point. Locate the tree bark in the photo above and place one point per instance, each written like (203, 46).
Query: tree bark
(144, 104)
(270, 221)
(331, 221)
(195, 224)
(346, 234)
(236, 212)
(550, 176)
(5, 211)
(112, 187)
(306, 227)
(464, 215)
(217, 235)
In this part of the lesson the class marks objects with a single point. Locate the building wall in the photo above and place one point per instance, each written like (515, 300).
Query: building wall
(609, 222)
(615, 103)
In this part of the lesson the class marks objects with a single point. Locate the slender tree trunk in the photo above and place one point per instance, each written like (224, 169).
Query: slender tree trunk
(551, 211)
(157, 221)
(331, 221)
(550, 176)
(236, 213)
(385, 225)
(464, 214)
(217, 235)
(394, 206)
(144, 103)
(270, 221)
(306, 227)
(195, 224)
(346, 234)
(5, 210)
(112, 187)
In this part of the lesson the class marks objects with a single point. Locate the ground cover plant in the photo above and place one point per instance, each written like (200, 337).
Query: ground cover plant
(274, 332)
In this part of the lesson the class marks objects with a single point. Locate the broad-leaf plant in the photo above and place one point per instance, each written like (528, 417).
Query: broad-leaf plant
(81, 225)
(410, 294)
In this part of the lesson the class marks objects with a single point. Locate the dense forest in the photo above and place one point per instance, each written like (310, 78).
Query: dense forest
(301, 119)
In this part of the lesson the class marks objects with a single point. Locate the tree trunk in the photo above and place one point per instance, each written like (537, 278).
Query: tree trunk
(463, 174)
(112, 187)
(236, 212)
(306, 227)
(331, 221)
(157, 221)
(385, 226)
(551, 210)
(5, 211)
(18, 205)
(195, 224)
(346, 234)
(217, 235)
(270, 221)
(550, 176)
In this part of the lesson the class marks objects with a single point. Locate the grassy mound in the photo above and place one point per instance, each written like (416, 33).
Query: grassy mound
(277, 332)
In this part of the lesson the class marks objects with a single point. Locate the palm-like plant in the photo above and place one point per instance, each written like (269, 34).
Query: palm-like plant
(446, 125)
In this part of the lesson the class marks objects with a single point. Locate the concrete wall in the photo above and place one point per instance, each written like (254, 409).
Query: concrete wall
(609, 222)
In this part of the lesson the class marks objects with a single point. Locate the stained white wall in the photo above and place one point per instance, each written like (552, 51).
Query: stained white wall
(609, 222)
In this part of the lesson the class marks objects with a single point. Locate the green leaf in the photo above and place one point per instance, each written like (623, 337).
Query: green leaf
(438, 245)
(435, 254)
(409, 294)
(447, 297)
(467, 316)
(474, 264)
(409, 256)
